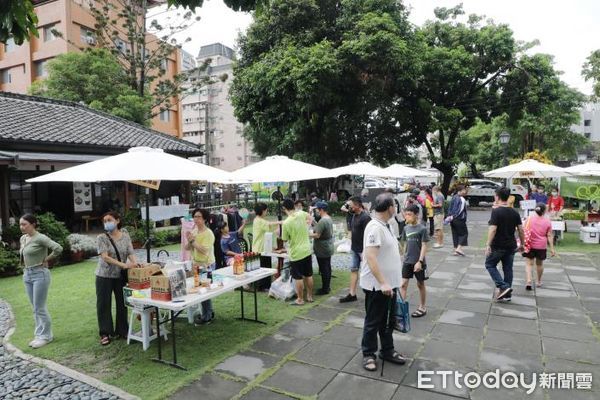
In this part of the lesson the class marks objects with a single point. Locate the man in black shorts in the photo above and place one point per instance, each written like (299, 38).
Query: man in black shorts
(415, 238)
(295, 232)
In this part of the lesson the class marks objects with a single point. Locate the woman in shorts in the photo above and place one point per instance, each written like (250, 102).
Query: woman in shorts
(540, 231)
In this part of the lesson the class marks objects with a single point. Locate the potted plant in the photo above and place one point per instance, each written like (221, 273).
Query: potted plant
(82, 246)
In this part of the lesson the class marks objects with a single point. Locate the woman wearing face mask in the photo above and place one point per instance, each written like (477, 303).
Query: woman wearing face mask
(555, 203)
(116, 255)
(34, 260)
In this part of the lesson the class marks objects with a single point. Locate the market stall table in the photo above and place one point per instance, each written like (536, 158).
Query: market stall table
(230, 283)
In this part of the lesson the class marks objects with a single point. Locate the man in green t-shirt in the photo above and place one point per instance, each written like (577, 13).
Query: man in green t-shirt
(323, 246)
(295, 232)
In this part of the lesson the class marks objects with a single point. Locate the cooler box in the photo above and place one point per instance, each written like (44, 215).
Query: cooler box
(589, 234)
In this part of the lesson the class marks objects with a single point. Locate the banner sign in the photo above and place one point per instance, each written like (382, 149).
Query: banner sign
(583, 188)
(82, 196)
(149, 184)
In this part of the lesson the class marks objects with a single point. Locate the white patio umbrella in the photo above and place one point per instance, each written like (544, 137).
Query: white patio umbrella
(528, 169)
(137, 164)
(360, 168)
(587, 169)
(402, 171)
(279, 169)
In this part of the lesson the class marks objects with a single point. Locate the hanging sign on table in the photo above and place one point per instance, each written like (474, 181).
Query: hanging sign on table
(82, 196)
(149, 184)
(527, 204)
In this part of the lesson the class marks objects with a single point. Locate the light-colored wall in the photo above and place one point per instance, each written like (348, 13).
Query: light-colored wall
(590, 111)
(231, 149)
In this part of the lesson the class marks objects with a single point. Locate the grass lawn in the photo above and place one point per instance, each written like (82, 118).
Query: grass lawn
(72, 305)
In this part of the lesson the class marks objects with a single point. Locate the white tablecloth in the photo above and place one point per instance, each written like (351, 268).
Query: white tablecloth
(160, 213)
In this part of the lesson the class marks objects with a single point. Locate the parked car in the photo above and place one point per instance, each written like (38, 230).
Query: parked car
(373, 184)
(483, 190)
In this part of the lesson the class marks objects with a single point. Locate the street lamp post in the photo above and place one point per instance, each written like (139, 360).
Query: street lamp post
(504, 139)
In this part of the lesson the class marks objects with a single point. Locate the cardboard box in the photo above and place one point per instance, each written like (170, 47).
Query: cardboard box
(160, 286)
(139, 278)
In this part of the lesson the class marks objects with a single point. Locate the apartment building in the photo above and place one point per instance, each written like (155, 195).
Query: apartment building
(21, 65)
(208, 117)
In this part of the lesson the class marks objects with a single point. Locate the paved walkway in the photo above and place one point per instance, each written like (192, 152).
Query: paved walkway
(317, 355)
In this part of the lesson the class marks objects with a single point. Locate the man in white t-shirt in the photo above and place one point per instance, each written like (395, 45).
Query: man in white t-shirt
(380, 276)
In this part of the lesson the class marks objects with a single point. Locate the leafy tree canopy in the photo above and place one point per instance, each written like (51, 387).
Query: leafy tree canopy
(591, 71)
(94, 77)
(17, 20)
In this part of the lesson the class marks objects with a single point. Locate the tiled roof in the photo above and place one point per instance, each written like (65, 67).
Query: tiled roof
(37, 120)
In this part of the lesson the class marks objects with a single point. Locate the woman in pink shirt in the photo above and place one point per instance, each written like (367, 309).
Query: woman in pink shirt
(540, 230)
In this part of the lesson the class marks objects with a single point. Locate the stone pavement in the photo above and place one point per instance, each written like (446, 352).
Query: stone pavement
(22, 377)
(317, 355)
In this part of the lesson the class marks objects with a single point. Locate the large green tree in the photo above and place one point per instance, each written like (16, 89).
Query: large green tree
(463, 61)
(591, 71)
(317, 80)
(94, 77)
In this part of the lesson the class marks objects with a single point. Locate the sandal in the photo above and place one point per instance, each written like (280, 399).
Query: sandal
(539, 284)
(395, 358)
(293, 303)
(419, 313)
(370, 363)
(104, 340)
(460, 253)
(310, 300)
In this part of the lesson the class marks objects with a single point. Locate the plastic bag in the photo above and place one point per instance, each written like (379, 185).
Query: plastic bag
(344, 246)
(402, 314)
(282, 288)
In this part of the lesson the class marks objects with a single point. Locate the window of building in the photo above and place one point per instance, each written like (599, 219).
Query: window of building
(164, 64)
(164, 115)
(222, 159)
(239, 144)
(87, 35)
(239, 158)
(221, 145)
(10, 45)
(5, 76)
(121, 45)
(215, 161)
(587, 122)
(41, 68)
(49, 32)
(254, 159)
(20, 193)
(588, 135)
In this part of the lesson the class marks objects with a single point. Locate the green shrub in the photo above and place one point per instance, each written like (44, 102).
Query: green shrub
(11, 234)
(574, 215)
(132, 218)
(9, 260)
(54, 229)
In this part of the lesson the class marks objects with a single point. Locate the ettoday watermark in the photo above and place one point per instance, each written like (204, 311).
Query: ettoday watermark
(507, 380)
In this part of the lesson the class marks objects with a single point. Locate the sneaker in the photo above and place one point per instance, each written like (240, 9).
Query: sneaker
(349, 298)
(504, 293)
(438, 246)
(37, 343)
(32, 342)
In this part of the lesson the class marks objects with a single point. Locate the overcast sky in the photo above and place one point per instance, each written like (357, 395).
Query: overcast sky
(569, 30)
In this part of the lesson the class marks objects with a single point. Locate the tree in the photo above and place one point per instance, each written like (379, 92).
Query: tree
(462, 65)
(17, 20)
(143, 54)
(591, 71)
(317, 80)
(237, 5)
(95, 78)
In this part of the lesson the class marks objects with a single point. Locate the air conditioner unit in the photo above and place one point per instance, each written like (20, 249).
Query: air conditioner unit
(90, 40)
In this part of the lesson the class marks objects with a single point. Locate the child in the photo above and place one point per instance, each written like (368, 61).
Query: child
(230, 243)
(415, 239)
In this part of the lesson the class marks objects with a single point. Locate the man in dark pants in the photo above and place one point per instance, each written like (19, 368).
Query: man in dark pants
(501, 243)
(360, 219)
(323, 246)
(379, 279)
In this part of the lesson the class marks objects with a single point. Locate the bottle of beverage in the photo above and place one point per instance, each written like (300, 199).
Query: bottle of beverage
(196, 276)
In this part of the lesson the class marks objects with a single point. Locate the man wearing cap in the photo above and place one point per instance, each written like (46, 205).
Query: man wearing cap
(323, 245)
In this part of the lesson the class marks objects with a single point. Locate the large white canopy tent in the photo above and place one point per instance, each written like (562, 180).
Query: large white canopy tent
(138, 164)
(528, 169)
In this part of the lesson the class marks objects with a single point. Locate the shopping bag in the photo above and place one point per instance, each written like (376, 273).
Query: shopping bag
(282, 288)
(402, 314)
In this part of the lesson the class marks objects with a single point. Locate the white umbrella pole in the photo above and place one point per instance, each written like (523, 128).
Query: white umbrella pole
(147, 225)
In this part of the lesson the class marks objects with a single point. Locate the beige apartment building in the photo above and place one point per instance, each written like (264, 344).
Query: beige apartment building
(208, 114)
(21, 65)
